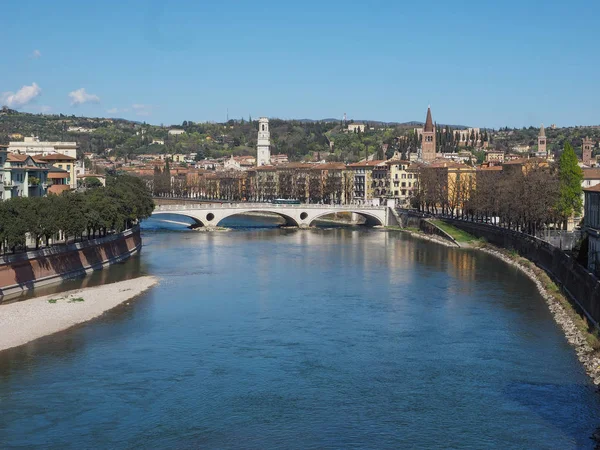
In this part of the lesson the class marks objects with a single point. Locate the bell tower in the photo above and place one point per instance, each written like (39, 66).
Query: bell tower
(428, 144)
(263, 144)
(586, 154)
(542, 141)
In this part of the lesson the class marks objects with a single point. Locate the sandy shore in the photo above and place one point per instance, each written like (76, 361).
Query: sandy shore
(26, 320)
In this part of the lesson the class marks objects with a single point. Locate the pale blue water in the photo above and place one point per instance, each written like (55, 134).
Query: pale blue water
(271, 338)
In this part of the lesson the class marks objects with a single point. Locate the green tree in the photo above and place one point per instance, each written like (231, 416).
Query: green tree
(570, 177)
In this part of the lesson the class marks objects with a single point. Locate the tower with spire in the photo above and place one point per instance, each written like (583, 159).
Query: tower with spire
(542, 148)
(428, 143)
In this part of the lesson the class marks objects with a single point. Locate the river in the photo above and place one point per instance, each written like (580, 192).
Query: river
(327, 338)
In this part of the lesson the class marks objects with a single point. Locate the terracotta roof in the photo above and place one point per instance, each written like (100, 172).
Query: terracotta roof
(366, 163)
(491, 168)
(396, 161)
(593, 189)
(592, 173)
(16, 157)
(57, 156)
(428, 122)
(58, 175)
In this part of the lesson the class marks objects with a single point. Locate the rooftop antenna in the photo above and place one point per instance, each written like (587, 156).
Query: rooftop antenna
(227, 114)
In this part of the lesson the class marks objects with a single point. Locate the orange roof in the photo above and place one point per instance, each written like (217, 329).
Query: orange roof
(491, 168)
(58, 175)
(593, 189)
(367, 163)
(16, 157)
(593, 173)
(57, 157)
(397, 161)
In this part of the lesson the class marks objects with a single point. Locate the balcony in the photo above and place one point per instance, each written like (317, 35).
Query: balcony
(10, 184)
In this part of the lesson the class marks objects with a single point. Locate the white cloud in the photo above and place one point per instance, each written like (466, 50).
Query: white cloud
(142, 110)
(23, 96)
(112, 110)
(36, 54)
(79, 97)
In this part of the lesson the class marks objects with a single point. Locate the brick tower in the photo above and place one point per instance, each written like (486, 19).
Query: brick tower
(542, 141)
(428, 144)
(586, 153)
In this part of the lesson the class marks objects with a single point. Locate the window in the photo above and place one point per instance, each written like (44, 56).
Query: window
(68, 166)
(404, 176)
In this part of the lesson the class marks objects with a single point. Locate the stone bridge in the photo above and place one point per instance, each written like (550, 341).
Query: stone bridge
(303, 216)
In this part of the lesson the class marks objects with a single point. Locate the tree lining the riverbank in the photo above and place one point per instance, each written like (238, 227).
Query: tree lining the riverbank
(74, 215)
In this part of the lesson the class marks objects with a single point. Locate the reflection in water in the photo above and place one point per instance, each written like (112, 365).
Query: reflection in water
(340, 338)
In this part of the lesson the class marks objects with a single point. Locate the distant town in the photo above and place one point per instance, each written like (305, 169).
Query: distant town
(431, 168)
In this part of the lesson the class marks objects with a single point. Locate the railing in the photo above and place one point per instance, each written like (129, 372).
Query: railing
(251, 206)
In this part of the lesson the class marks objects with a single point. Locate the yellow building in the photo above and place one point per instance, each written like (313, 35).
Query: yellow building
(403, 176)
(64, 162)
(362, 181)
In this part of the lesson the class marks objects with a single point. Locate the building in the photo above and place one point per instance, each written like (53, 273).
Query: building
(591, 223)
(356, 128)
(32, 146)
(158, 141)
(494, 157)
(403, 177)
(586, 152)
(428, 141)
(280, 158)
(66, 163)
(58, 180)
(362, 181)
(542, 143)
(22, 176)
(263, 145)
(176, 132)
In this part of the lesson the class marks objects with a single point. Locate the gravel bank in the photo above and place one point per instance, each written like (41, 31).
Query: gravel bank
(26, 320)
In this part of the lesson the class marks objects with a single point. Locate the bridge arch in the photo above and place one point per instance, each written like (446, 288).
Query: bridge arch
(371, 219)
(198, 222)
(289, 220)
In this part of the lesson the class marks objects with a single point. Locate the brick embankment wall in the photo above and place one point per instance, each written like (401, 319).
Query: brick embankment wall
(36, 268)
(582, 286)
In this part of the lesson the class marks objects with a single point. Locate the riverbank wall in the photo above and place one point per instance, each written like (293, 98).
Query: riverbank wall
(27, 270)
(581, 286)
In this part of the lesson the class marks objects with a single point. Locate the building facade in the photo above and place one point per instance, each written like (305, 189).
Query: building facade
(32, 146)
(66, 163)
(591, 222)
(22, 176)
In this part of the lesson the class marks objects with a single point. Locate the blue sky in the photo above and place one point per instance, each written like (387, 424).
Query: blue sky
(515, 63)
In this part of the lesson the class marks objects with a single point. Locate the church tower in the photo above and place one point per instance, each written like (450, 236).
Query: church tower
(542, 141)
(586, 153)
(428, 143)
(263, 145)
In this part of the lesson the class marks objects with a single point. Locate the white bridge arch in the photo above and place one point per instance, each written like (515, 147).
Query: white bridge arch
(303, 215)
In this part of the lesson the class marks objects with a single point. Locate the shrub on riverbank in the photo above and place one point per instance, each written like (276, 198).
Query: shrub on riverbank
(74, 215)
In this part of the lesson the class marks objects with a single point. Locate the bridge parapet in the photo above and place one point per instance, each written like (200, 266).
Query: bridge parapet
(302, 215)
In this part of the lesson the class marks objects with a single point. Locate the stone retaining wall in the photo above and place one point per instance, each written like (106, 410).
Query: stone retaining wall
(582, 286)
(24, 271)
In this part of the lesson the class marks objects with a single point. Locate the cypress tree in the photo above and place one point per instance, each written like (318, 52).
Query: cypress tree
(570, 177)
